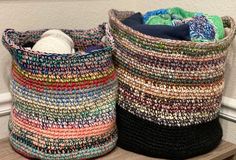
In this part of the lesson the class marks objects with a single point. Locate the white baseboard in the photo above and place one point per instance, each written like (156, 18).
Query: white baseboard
(228, 110)
(5, 103)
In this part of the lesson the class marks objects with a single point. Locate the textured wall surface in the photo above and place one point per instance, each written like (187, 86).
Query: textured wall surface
(31, 14)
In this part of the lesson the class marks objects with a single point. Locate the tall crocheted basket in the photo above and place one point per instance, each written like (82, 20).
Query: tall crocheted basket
(63, 104)
(170, 91)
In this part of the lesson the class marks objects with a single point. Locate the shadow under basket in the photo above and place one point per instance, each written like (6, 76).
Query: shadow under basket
(170, 91)
(63, 104)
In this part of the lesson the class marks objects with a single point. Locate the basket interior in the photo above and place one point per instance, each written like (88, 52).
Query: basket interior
(82, 38)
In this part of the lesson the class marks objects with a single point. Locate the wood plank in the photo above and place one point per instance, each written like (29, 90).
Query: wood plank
(121, 154)
(223, 151)
(7, 153)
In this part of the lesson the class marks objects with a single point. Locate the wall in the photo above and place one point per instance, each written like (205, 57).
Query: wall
(31, 14)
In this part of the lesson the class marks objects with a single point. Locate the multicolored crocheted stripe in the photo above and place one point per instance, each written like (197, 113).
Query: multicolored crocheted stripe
(168, 82)
(168, 110)
(39, 82)
(63, 105)
(62, 148)
(172, 69)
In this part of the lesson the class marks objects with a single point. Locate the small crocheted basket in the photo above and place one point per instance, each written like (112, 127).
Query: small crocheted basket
(169, 92)
(63, 104)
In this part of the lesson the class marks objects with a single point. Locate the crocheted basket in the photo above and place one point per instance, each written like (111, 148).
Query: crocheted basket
(63, 104)
(169, 92)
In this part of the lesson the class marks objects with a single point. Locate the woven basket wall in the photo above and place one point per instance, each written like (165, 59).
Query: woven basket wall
(63, 104)
(169, 92)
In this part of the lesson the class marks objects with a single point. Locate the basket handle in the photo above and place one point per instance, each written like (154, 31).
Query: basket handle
(229, 23)
(108, 36)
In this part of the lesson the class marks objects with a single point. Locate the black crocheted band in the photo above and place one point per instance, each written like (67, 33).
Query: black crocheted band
(147, 138)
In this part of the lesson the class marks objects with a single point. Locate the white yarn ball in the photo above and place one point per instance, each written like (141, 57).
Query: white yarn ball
(59, 34)
(52, 44)
(54, 41)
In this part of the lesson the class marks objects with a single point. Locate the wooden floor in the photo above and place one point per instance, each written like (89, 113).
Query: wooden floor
(225, 151)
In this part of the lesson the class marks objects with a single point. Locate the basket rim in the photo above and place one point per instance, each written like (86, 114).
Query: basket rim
(169, 42)
(12, 44)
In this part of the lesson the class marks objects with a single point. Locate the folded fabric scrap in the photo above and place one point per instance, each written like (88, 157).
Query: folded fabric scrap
(202, 27)
(89, 49)
(93, 48)
(180, 32)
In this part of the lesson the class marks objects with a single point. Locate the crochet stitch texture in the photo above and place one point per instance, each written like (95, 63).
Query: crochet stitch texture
(169, 92)
(63, 104)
